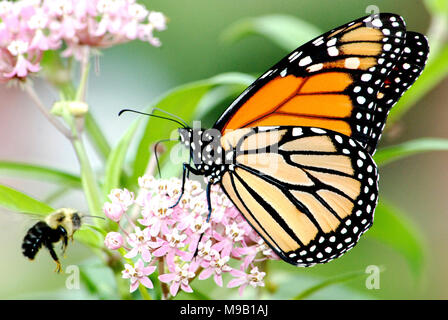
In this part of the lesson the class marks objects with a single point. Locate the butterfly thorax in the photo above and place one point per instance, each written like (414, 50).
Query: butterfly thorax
(206, 152)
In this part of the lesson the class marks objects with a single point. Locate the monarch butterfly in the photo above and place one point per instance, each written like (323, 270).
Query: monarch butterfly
(294, 151)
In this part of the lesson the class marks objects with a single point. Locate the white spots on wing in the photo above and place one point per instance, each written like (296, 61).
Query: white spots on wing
(377, 23)
(352, 63)
(267, 73)
(318, 130)
(338, 138)
(297, 132)
(318, 41)
(333, 51)
(361, 99)
(366, 77)
(359, 163)
(315, 67)
(305, 61)
(331, 42)
(283, 72)
(294, 56)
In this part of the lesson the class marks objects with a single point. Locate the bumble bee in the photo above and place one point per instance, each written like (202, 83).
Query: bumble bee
(57, 226)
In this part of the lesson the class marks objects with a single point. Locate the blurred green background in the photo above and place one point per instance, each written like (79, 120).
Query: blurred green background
(135, 74)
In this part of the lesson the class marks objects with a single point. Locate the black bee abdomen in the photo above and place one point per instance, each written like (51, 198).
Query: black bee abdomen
(38, 235)
(33, 239)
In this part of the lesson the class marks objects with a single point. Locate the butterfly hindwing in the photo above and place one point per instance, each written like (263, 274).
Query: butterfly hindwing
(309, 192)
(331, 82)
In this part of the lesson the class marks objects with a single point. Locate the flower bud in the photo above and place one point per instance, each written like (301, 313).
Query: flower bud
(75, 108)
(113, 211)
(113, 241)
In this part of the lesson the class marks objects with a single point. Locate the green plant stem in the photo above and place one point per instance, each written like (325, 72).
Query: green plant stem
(144, 292)
(163, 285)
(53, 120)
(85, 67)
(88, 179)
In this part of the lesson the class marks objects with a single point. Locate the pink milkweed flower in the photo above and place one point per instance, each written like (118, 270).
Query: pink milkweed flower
(217, 266)
(157, 216)
(19, 48)
(123, 197)
(171, 246)
(225, 244)
(171, 235)
(138, 274)
(141, 243)
(44, 25)
(180, 277)
(113, 241)
(113, 211)
(194, 227)
(254, 278)
(7, 63)
(147, 182)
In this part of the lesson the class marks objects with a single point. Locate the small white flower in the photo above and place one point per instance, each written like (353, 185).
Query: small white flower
(147, 182)
(158, 20)
(175, 239)
(235, 232)
(255, 277)
(123, 197)
(18, 47)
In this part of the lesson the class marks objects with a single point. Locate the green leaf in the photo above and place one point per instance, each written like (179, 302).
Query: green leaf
(30, 171)
(437, 6)
(329, 282)
(406, 149)
(394, 229)
(181, 101)
(89, 237)
(17, 201)
(98, 279)
(115, 161)
(435, 71)
(287, 32)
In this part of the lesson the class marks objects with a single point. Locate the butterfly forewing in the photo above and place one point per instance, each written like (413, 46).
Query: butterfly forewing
(404, 74)
(331, 82)
(309, 192)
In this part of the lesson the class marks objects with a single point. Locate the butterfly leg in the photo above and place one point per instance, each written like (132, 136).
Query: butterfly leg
(185, 172)
(209, 204)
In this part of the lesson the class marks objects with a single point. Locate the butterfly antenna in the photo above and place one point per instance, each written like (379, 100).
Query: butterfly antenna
(152, 115)
(156, 154)
(171, 115)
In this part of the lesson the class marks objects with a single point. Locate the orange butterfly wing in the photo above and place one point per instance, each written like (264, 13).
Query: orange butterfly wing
(332, 82)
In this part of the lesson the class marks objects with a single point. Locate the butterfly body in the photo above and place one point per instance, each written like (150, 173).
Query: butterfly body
(294, 151)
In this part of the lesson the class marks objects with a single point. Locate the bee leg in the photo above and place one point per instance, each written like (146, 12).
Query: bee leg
(64, 239)
(54, 256)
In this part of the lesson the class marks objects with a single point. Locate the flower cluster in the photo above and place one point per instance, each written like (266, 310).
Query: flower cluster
(180, 240)
(30, 27)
